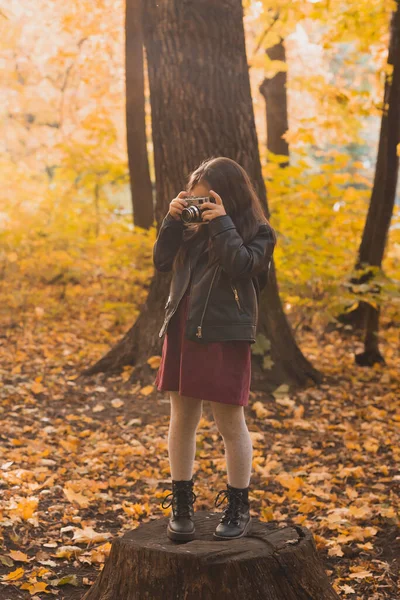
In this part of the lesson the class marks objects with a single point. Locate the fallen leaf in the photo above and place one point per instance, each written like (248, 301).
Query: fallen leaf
(154, 361)
(68, 551)
(19, 556)
(66, 580)
(14, 575)
(77, 497)
(117, 403)
(35, 587)
(87, 535)
(145, 391)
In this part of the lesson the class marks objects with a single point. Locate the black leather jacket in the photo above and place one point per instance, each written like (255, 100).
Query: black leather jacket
(224, 297)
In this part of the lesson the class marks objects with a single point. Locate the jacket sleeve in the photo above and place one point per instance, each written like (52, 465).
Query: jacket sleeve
(167, 243)
(236, 258)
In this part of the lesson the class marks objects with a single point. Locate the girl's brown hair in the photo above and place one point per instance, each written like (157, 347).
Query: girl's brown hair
(230, 181)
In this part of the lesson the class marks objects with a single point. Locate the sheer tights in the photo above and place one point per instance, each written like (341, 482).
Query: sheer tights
(230, 420)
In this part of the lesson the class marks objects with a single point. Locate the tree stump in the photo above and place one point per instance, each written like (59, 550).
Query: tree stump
(269, 563)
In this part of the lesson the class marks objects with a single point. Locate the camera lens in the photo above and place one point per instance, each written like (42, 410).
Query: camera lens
(197, 213)
(187, 214)
(191, 214)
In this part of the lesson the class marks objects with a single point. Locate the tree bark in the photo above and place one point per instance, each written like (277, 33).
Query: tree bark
(273, 89)
(269, 563)
(140, 182)
(201, 107)
(383, 196)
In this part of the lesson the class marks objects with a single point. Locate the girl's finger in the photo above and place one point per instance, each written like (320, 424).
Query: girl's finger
(179, 202)
(216, 196)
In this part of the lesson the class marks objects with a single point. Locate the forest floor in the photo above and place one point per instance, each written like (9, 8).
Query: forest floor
(85, 459)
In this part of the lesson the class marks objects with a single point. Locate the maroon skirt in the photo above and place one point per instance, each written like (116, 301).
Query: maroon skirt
(215, 371)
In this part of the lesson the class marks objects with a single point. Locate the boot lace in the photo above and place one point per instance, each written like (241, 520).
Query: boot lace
(235, 502)
(181, 500)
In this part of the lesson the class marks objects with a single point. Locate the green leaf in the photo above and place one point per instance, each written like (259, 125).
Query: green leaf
(267, 363)
(262, 345)
(282, 390)
(67, 579)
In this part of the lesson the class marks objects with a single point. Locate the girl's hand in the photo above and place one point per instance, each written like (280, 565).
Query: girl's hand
(212, 210)
(177, 205)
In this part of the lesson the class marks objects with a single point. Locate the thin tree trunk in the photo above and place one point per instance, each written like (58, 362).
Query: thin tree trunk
(273, 89)
(201, 107)
(383, 197)
(141, 188)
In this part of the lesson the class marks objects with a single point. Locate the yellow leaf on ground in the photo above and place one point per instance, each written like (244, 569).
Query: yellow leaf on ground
(360, 512)
(18, 556)
(26, 508)
(37, 387)
(146, 390)
(70, 445)
(371, 446)
(360, 575)
(260, 410)
(14, 575)
(99, 554)
(36, 587)
(68, 551)
(117, 403)
(267, 514)
(80, 499)
(335, 551)
(289, 482)
(154, 361)
(87, 534)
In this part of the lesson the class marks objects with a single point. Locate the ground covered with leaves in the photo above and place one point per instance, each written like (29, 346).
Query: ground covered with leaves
(83, 460)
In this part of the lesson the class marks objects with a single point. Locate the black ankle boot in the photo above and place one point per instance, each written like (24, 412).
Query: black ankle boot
(181, 526)
(236, 519)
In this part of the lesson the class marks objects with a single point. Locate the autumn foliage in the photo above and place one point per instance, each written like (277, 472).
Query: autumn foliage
(81, 460)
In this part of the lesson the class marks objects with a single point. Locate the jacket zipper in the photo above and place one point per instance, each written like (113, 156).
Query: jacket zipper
(199, 334)
(255, 300)
(235, 293)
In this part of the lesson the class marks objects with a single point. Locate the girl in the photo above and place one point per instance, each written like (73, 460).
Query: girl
(219, 267)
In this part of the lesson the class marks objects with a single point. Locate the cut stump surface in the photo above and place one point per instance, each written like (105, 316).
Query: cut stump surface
(269, 563)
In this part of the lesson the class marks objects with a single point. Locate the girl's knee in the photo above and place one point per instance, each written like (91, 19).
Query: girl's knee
(229, 419)
(186, 402)
(186, 408)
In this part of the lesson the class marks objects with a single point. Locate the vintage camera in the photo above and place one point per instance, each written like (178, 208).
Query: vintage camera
(192, 213)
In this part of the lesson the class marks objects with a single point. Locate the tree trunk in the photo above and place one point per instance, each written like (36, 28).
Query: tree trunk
(273, 90)
(269, 563)
(383, 197)
(141, 188)
(371, 354)
(201, 107)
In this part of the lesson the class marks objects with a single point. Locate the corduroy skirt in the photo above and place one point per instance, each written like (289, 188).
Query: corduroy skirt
(215, 371)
